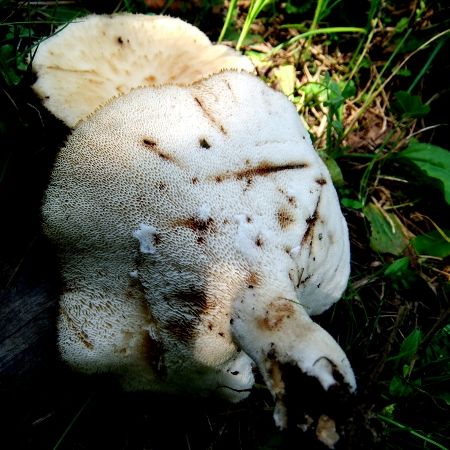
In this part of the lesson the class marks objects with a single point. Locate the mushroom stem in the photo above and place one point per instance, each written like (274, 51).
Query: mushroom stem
(282, 339)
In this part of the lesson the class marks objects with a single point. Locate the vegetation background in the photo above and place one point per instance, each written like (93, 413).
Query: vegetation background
(370, 80)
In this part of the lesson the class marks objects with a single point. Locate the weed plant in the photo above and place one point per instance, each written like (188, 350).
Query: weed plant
(370, 81)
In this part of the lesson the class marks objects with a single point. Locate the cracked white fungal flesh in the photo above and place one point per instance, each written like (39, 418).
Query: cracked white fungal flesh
(97, 57)
(198, 230)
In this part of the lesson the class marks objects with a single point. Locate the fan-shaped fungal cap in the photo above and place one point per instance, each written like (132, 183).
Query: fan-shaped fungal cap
(198, 229)
(95, 58)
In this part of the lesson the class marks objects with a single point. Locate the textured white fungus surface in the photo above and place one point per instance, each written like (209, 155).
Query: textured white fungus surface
(98, 57)
(214, 198)
(146, 236)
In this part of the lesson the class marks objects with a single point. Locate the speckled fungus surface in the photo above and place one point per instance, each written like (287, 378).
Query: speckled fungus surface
(198, 230)
(97, 57)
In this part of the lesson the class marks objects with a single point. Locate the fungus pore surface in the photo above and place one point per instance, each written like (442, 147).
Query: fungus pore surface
(198, 230)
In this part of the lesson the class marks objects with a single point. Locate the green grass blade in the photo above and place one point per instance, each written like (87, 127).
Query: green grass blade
(71, 424)
(426, 65)
(326, 30)
(411, 431)
(228, 17)
(256, 6)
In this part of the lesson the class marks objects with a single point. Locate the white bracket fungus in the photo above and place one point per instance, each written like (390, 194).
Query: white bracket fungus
(98, 57)
(247, 237)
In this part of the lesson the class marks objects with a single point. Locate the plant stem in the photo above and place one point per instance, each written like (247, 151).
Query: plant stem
(256, 6)
(410, 430)
(72, 422)
(426, 65)
(228, 17)
(374, 93)
(327, 30)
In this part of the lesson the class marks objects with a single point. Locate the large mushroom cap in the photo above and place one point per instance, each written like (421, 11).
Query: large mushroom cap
(193, 222)
(97, 57)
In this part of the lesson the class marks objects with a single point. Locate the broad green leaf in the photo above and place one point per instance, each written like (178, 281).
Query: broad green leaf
(8, 65)
(399, 388)
(353, 204)
(286, 78)
(400, 273)
(398, 267)
(444, 396)
(349, 89)
(432, 161)
(402, 24)
(387, 232)
(409, 105)
(409, 346)
(314, 92)
(432, 244)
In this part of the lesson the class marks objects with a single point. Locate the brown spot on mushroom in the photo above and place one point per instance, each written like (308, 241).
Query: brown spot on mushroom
(259, 242)
(194, 180)
(292, 201)
(253, 279)
(210, 117)
(201, 240)
(321, 181)
(275, 375)
(153, 146)
(79, 332)
(326, 431)
(181, 330)
(190, 303)
(192, 300)
(311, 223)
(276, 313)
(120, 40)
(285, 218)
(263, 169)
(304, 280)
(221, 333)
(149, 143)
(197, 224)
(162, 186)
(204, 143)
(248, 219)
(150, 79)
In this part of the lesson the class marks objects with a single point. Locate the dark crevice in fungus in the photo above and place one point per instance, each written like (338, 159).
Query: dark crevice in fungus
(153, 146)
(204, 143)
(311, 223)
(202, 227)
(210, 117)
(263, 169)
